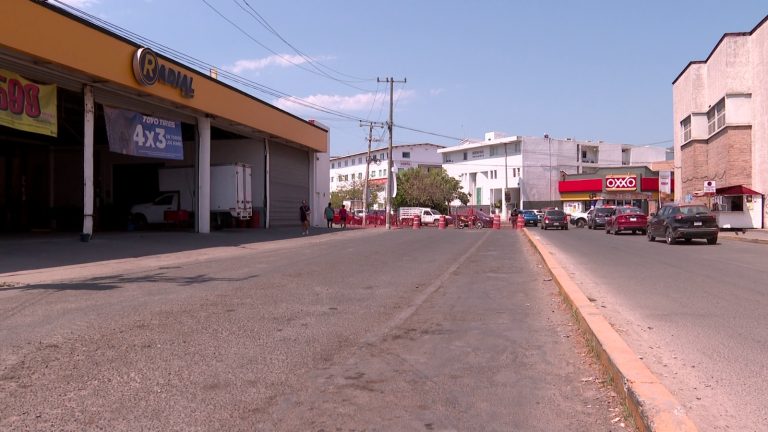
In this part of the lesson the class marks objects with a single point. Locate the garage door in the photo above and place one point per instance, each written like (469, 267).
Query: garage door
(289, 184)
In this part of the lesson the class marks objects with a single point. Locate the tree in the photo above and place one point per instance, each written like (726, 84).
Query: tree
(352, 190)
(417, 187)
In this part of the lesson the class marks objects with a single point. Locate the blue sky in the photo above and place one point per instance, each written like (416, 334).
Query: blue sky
(592, 70)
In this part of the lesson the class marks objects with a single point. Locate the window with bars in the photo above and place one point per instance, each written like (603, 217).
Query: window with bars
(685, 127)
(716, 117)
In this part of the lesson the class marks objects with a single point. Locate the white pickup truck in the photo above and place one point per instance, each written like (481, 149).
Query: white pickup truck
(580, 219)
(428, 215)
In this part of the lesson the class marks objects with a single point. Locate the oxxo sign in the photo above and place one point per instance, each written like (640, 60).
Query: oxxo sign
(149, 70)
(621, 183)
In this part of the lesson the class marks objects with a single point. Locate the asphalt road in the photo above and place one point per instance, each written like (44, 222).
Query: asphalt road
(695, 313)
(403, 330)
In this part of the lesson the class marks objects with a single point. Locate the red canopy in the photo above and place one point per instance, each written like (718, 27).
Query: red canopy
(736, 190)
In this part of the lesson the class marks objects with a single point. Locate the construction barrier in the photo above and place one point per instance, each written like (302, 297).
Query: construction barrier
(441, 222)
(496, 221)
(520, 221)
(416, 222)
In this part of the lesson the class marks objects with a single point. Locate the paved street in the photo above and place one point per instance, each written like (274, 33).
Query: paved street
(694, 313)
(357, 330)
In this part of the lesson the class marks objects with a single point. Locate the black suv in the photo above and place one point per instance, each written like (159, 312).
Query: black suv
(554, 219)
(683, 221)
(598, 217)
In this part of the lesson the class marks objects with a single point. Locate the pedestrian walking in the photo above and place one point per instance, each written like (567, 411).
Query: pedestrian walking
(329, 215)
(343, 216)
(513, 217)
(304, 211)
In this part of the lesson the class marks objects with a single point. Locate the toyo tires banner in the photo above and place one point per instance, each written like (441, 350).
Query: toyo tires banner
(135, 134)
(27, 106)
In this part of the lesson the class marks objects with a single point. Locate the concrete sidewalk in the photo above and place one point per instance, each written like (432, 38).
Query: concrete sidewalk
(45, 257)
(751, 235)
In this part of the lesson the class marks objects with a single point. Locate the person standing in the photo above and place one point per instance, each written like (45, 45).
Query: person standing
(343, 216)
(513, 217)
(304, 211)
(329, 215)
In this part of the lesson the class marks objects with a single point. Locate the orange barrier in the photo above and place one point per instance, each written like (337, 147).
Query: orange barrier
(520, 221)
(441, 222)
(496, 221)
(416, 222)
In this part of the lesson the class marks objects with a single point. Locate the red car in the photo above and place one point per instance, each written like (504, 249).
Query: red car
(626, 219)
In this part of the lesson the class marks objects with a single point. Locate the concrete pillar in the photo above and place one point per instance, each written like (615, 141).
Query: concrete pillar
(88, 164)
(203, 175)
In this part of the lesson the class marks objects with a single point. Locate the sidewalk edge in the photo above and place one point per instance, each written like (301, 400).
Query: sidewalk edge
(652, 405)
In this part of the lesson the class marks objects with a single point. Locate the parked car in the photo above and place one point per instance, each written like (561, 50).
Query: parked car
(530, 218)
(580, 218)
(472, 218)
(554, 219)
(676, 221)
(626, 219)
(598, 216)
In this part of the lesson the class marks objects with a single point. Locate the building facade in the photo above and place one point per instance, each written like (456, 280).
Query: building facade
(720, 108)
(65, 166)
(345, 170)
(524, 172)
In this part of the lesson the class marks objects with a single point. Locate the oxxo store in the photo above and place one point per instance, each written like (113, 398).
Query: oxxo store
(631, 186)
(87, 122)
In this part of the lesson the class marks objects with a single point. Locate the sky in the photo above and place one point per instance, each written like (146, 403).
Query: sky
(587, 69)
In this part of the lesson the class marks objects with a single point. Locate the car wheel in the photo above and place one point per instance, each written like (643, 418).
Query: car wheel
(650, 236)
(580, 223)
(670, 237)
(479, 225)
(140, 221)
(590, 226)
(712, 240)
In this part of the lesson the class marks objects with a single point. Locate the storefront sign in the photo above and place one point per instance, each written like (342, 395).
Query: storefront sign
(149, 70)
(665, 182)
(27, 106)
(135, 134)
(621, 183)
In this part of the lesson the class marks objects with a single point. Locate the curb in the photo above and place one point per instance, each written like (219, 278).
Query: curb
(744, 239)
(653, 407)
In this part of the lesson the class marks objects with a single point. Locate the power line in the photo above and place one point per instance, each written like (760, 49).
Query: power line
(263, 21)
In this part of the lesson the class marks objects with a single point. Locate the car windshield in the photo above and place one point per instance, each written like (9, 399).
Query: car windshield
(481, 213)
(693, 210)
(629, 210)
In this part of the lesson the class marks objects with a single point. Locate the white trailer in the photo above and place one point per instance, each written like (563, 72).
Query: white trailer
(230, 195)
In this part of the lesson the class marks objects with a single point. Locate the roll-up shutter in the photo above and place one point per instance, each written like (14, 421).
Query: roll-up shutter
(289, 184)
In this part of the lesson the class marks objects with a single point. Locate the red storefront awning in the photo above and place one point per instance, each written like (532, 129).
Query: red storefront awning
(581, 185)
(736, 190)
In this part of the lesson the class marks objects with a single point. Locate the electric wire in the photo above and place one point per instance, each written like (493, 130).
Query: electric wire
(317, 71)
(263, 21)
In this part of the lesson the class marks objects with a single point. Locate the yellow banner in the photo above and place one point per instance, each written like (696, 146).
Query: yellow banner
(27, 106)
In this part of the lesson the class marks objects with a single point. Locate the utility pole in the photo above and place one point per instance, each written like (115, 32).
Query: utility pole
(368, 161)
(391, 82)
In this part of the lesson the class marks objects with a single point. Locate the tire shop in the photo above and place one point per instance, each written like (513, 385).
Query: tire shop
(90, 121)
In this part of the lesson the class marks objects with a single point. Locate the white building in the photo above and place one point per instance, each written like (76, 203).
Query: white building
(524, 172)
(346, 169)
(720, 108)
